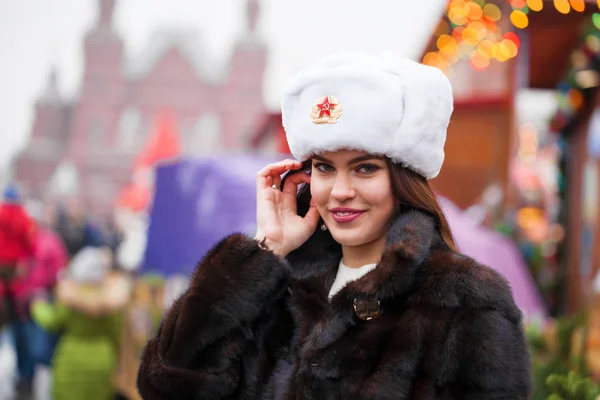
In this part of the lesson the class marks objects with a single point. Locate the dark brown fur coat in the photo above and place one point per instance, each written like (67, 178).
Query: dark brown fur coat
(253, 326)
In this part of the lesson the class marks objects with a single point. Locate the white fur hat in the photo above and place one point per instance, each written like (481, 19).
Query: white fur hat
(90, 265)
(384, 104)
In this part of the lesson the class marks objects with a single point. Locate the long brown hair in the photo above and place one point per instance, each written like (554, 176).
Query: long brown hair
(413, 190)
(409, 188)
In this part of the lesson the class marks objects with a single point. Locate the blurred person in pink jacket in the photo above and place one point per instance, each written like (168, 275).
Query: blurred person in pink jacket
(33, 345)
(50, 257)
(38, 273)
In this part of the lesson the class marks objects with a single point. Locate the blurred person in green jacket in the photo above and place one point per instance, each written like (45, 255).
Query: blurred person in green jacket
(90, 301)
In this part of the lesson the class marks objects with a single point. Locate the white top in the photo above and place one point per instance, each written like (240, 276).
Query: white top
(346, 274)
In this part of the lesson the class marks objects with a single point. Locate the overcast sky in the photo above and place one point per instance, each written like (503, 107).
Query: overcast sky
(36, 34)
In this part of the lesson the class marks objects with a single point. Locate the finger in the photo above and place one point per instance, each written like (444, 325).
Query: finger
(273, 180)
(290, 189)
(292, 182)
(290, 160)
(274, 171)
(277, 181)
(312, 216)
(264, 188)
(279, 168)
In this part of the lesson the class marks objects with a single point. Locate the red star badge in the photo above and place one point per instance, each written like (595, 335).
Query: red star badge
(325, 107)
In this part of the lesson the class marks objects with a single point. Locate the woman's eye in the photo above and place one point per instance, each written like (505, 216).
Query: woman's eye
(367, 168)
(322, 167)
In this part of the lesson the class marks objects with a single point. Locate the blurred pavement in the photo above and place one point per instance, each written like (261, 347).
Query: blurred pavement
(7, 368)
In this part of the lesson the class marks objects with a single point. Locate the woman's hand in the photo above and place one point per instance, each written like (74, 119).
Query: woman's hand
(277, 221)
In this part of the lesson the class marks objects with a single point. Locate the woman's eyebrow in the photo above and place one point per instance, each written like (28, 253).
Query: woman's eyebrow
(365, 157)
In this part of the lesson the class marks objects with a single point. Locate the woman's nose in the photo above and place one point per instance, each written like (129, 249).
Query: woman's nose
(342, 188)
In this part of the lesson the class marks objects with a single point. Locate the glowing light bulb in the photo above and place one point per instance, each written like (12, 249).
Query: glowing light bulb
(536, 5)
(577, 5)
(446, 44)
(473, 11)
(592, 41)
(485, 49)
(492, 12)
(576, 98)
(562, 6)
(457, 15)
(510, 47)
(596, 19)
(431, 58)
(478, 62)
(513, 37)
(519, 19)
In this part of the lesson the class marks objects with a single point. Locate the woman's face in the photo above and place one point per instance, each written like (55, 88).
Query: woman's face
(353, 193)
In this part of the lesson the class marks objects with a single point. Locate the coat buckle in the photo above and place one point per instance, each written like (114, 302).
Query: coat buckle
(367, 309)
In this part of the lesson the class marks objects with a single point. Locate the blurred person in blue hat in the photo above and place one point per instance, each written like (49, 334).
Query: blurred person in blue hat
(353, 287)
(17, 232)
(16, 236)
(11, 195)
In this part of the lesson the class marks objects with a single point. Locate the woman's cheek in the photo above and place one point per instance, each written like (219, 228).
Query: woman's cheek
(318, 192)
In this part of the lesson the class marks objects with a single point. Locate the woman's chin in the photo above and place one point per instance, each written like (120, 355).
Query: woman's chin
(348, 237)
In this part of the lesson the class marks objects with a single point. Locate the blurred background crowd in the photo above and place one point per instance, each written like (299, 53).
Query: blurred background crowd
(114, 189)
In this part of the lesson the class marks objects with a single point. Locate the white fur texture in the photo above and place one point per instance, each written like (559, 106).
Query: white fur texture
(90, 265)
(390, 106)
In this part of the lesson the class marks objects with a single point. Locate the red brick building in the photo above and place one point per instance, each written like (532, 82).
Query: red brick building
(86, 146)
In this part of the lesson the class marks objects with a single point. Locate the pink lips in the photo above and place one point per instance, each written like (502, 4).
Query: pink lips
(345, 215)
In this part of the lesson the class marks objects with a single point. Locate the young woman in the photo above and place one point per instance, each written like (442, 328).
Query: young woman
(353, 287)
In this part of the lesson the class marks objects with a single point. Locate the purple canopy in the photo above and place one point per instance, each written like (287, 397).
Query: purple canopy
(198, 202)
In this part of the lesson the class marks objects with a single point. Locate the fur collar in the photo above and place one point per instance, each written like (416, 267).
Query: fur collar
(410, 239)
(107, 298)
(416, 266)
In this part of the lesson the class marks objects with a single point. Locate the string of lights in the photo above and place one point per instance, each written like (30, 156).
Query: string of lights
(471, 31)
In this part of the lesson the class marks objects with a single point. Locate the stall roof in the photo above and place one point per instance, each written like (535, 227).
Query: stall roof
(552, 36)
